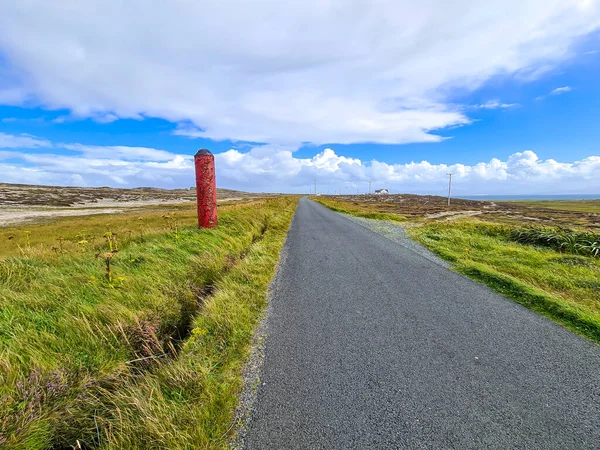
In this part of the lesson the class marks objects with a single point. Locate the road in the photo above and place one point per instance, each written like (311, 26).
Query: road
(371, 345)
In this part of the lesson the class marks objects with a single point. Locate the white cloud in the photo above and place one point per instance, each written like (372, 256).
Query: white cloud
(277, 169)
(561, 90)
(22, 141)
(557, 91)
(521, 173)
(283, 73)
(57, 169)
(99, 117)
(122, 152)
(496, 104)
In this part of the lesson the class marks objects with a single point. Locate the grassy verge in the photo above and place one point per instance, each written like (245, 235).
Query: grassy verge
(563, 287)
(148, 357)
(357, 209)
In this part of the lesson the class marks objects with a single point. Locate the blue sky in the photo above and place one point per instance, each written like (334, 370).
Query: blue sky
(505, 96)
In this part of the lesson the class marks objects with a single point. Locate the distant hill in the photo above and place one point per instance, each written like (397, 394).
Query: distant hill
(36, 195)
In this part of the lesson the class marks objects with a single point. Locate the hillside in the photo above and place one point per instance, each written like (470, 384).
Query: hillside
(61, 196)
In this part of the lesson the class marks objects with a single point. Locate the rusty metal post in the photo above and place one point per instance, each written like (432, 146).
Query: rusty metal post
(206, 188)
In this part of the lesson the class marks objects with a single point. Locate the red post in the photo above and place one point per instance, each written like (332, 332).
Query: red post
(206, 188)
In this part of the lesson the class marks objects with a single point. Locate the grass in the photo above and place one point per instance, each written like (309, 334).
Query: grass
(136, 224)
(560, 239)
(559, 278)
(424, 209)
(149, 357)
(589, 206)
(564, 287)
(358, 209)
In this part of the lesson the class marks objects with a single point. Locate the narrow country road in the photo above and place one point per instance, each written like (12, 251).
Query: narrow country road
(371, 345)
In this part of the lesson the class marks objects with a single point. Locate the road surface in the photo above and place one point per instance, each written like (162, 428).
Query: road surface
(371, 345)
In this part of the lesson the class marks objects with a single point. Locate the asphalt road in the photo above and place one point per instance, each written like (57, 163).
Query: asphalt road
(371, 345)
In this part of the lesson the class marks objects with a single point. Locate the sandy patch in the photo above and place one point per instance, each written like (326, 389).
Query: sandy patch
(451, 215)
(112, 203)
(15, 216)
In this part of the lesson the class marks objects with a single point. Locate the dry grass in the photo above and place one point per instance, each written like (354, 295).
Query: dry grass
(368, 211)
(429, 208)
(148, 357)
(591, 206)
(64, 196)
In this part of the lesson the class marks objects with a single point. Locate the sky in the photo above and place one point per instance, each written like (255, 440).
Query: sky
(504, 95)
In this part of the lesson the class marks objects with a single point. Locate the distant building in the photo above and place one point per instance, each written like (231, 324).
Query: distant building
(381, 191)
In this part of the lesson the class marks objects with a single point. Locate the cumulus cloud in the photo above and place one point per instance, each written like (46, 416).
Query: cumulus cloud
(280, 73)
(276, 169)
(272, 169)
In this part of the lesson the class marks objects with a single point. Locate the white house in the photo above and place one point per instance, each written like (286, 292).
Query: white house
(381, 191)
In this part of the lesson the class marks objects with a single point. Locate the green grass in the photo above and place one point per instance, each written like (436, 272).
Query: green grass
(136, 224)
(589, 206)
(358, 210)
(561, 286)
(552, 281)
(561, 239)
(151, 358)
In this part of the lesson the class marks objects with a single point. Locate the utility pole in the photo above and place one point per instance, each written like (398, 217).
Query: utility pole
(449, 186)
(315, 186)
(369, 187)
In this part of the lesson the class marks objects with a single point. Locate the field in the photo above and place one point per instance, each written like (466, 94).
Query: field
(130, 330)
(590, 206)
(123, 326)
(21, 203)
(429, 208)
(556, 272)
